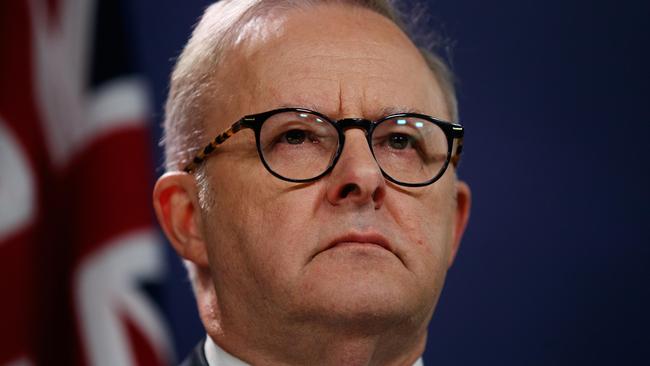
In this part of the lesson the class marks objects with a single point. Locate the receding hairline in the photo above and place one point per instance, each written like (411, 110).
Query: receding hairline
(293, 26)
(217, 34)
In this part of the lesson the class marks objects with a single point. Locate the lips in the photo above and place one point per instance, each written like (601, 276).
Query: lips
(361, 239)
(358, 239)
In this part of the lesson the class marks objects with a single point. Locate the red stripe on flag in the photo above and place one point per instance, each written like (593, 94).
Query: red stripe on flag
(108, 189)
(143, 353)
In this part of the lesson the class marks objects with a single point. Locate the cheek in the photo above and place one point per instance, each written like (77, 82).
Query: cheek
(426, 223)
(267, 231)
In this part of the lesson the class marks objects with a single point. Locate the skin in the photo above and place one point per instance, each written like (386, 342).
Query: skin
(270, 288)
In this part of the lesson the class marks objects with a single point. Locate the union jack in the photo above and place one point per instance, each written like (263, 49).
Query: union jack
(77, 240)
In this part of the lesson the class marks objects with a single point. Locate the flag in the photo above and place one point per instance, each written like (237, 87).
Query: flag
(78, 249)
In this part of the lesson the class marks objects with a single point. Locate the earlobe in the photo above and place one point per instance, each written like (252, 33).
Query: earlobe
(176, 206)
(463, 206)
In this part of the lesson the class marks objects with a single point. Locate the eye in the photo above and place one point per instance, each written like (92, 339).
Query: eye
(399, 141)
(294, 137)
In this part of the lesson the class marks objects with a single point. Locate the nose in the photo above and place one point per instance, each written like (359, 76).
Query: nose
(356, 177)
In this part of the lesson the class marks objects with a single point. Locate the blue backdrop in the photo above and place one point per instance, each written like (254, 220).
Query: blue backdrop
(554, 94)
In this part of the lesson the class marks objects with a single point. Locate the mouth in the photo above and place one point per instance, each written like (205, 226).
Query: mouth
(361, 240)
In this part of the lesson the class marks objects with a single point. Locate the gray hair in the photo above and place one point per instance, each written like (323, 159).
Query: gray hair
(192, 81)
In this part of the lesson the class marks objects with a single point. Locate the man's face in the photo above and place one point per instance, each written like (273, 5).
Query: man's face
(350, 247)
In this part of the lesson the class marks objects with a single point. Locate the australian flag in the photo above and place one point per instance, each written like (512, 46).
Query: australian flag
(78, 249)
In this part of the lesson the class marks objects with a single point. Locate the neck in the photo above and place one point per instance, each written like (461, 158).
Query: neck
(323, 349)
(301, 343)
(309, 341)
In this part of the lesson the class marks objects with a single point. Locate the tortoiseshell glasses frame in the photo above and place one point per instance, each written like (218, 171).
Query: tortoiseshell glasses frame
(452, 132)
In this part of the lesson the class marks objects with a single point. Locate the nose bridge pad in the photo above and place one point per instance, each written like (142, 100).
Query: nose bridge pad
(360, 123)
(356, 186)
(348, 123)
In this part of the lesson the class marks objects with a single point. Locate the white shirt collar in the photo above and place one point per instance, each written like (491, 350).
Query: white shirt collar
(216, 356)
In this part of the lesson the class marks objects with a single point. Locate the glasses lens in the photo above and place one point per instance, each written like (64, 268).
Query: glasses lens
(410, 150)
(298, 145)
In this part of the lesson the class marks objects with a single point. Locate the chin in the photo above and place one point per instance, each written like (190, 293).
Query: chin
(367, 315)
(367, 299)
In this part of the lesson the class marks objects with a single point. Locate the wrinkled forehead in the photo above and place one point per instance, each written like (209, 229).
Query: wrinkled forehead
(339, 59)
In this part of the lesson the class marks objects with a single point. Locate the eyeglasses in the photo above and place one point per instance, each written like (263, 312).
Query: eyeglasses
(300, 145)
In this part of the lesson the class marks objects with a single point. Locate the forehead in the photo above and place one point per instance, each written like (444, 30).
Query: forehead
(341, 60)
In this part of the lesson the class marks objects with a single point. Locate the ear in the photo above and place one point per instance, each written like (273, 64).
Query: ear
(175, 201)
(463, 205)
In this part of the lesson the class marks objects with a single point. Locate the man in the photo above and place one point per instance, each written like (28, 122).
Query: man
(318, 228)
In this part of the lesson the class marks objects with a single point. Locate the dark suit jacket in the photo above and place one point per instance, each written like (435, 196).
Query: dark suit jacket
(197, 357)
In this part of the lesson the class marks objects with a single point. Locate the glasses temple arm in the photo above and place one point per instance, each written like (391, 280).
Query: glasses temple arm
(209, 148)
(455, 159)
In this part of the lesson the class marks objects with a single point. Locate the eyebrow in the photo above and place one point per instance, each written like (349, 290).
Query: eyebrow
(387, 111)
(312, 107)
(383, 112)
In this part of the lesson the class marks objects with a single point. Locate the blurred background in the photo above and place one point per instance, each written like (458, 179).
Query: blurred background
(553, 269)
